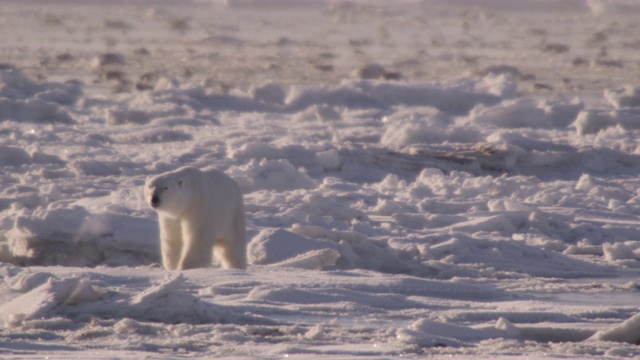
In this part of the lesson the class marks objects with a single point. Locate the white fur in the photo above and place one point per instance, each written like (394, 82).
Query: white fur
(201, 215)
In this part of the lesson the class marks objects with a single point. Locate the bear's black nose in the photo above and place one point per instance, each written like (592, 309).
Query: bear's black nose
(155, 201)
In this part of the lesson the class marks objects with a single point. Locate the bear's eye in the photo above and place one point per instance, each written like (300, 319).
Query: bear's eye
(165, 188)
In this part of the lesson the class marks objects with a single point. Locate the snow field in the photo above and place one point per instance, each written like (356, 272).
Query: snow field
(386, 216)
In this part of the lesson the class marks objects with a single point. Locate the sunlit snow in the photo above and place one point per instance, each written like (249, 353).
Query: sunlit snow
(421, 178)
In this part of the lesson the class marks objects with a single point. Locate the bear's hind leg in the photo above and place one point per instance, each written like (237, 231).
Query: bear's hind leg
(232, 249)
(239, 242)
(229, 256)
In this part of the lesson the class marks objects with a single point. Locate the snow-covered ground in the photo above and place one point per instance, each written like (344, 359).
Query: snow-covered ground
(436, 178)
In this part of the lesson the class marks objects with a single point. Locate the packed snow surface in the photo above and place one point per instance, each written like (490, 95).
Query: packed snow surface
(421, 178)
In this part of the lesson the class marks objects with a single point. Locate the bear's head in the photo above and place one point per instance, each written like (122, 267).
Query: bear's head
(169, 193)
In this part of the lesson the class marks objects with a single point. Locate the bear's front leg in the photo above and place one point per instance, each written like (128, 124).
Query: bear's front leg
(197, 246)
(170, 242)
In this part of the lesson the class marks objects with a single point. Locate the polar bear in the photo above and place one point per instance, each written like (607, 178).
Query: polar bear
(201, 215)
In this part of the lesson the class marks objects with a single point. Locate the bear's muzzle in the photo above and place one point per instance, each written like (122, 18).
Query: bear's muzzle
(155, 201)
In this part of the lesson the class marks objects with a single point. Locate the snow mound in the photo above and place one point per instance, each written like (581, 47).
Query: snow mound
(313, 247)
(456, 98)
(454, 257)
(593, 121)
(397, 212)
(527, 113)
(278, 175)
(24, 100)
(321, 113)
(24, 156)
(284, 248)
(13, 156)
(75, 237)
(159, 136)
(173, 101)
(315, 159)
(429, 333)
(77, 297)
(95, 168)
(425, 126)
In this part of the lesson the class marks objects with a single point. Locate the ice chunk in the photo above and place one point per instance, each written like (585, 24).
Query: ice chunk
(312, 260)
(628, 331)
(167, 302)
(269, 92)
(117, 117)
(425, 126)
(629, 96)
(614, 252)
(329, 159)
(84, 292)
(108, 59)
(592, 121)
(159, 136)
(370, 71)
(40, 301)
(27, 281)
(428, 333)
(170, 284)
